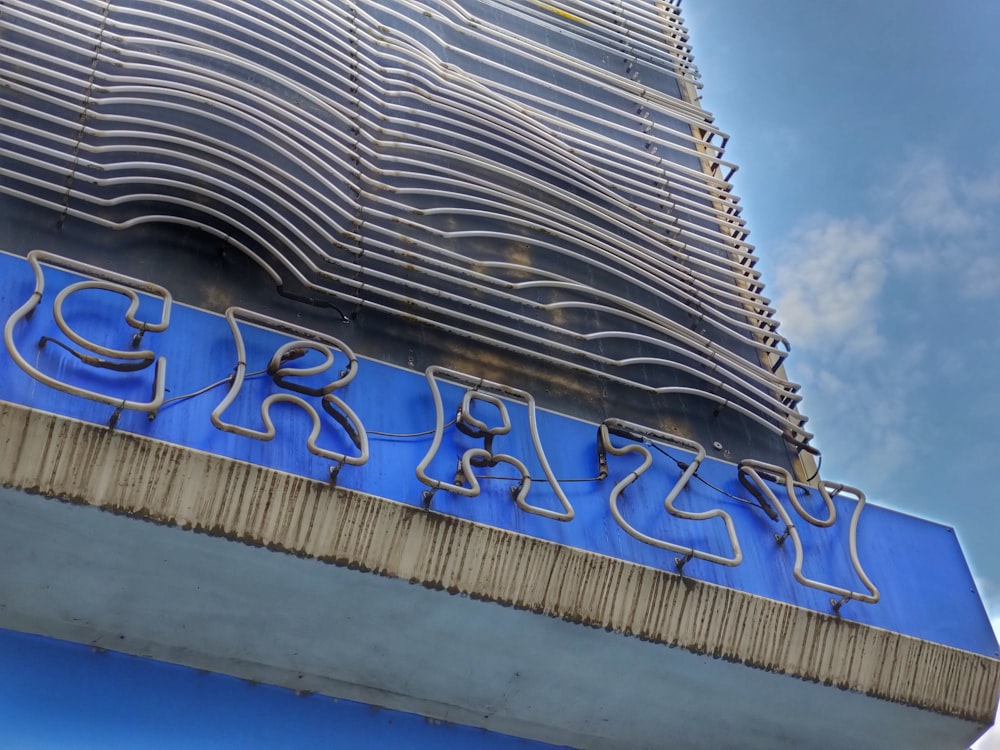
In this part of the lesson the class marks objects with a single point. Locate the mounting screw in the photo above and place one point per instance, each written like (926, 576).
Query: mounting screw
(717, 445)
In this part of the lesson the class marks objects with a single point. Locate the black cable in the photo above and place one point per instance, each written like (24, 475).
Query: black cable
(536, 479)
(408, 434)
(819, 465)
(315, 302)
(128, 365)
(683, 466)
(207, 388)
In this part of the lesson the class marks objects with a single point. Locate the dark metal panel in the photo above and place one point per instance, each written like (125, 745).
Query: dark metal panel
(423, 211)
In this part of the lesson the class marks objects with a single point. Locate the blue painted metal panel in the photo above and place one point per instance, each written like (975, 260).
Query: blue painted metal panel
(917, 565)
(59, 694)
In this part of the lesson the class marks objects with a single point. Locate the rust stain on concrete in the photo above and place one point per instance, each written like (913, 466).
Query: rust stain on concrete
(122, 473)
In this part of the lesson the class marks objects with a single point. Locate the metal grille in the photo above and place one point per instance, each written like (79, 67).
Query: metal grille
(533, 175)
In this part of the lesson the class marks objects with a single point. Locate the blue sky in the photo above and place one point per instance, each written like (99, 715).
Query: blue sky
(870, 179)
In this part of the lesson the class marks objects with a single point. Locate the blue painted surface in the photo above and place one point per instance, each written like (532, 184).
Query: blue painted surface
(64, 695)
(927, 589)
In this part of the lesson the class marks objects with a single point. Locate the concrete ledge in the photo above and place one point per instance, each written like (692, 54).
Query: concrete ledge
(87, 464)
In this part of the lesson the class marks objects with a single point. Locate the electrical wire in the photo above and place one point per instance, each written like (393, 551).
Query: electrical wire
(681, 465)
(407, 434)
(207, 388)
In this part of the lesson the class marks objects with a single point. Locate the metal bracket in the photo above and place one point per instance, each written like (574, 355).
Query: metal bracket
(680, 562)
(838, 603)
(426, 497)
(335, 472)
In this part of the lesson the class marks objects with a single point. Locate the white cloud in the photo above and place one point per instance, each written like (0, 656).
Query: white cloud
(932, 235)
(857, 383)
(929, 197)
(828, 284)
(940, 222)
(984, 189)
(858, 294)
(863, 415)
(981, 278)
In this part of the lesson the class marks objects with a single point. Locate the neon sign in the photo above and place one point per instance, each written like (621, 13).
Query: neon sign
(278, 369)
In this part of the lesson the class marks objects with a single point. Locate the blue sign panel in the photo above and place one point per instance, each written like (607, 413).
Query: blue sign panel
(108, 700)
(92, 345)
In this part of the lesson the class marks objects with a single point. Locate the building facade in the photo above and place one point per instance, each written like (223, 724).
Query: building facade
(412, 354)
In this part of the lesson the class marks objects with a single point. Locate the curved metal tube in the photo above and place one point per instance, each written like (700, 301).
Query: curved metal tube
(750, 474)
(127, 360)
(465, 482)
(639, 432)
(280, 372)
(360, 138)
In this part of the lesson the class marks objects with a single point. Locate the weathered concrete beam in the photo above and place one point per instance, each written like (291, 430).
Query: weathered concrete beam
(735, 661)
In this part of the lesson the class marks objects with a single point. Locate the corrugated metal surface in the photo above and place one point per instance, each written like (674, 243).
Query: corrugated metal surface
(504, 180)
